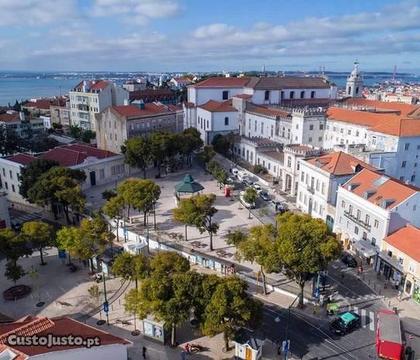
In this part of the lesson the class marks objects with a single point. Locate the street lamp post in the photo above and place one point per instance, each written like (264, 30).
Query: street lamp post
(106, 305)
(286, 348)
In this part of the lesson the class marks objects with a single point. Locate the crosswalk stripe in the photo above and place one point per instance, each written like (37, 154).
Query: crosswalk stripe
(364, 318)
(372, 320)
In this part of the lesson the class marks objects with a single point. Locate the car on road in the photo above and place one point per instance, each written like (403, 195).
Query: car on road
(257, 187)
(247, 181)
(264, 195)
(349, 260)
(234, 172)
(345, 323)
(279, 206)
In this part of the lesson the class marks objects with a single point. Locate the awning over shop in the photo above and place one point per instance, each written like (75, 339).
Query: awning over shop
(391, 261)
(365, 248)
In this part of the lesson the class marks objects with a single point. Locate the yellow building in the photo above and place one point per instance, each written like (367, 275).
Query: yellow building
(399, 260)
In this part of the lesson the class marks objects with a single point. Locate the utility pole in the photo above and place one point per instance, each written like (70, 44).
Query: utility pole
(286, 342)
(106, 305)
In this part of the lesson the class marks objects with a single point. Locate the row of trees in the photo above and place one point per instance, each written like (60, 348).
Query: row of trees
(218, 172)
(198, 211)
(298, 246)
(162, 149)
(172, 293)
(137, 194)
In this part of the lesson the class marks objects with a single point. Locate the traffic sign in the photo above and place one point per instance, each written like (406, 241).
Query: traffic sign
(106, 306)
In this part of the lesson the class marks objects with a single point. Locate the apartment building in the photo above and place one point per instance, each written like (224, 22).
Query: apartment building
(385, 135)
(60, 114)
(319, 179)
(100, 167)
(399, 260)
(21, 124)
(90, 97)
(372, 205)
(116, 124)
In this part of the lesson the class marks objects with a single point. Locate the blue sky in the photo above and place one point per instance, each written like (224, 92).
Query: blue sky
(201, 35)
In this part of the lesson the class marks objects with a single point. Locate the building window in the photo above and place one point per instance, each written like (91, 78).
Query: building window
(282, 95)
(402, 178)
(356, 230)
(364, 236)
(311, 127)
(13, 188)
(376, 224)
(343, 204)
(226, 121)
(310, 139)
(350, 209)
(320, 138)
(6, 186)
(367, 219)
(225, 95)
(321, 126)
(262, 128)
(11, 174)
(312, 94)
(349, 132)
(4, 172)
(403, 164)
(406, 146)
(292, 94)
(208, 125)
(358, 214)
(255, 126)
(413, 178)
(289, 161)
(302, 94)
(302, 176)
(267, 95)
(373, 241)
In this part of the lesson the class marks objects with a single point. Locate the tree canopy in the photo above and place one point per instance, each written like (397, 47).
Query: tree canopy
(131, 267)
(137, 152)
(304, 246)
(40, 234)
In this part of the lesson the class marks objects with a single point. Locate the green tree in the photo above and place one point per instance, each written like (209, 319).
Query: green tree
(167, 263)
(131, 267)
(59, 186)
(304, 246)
(114, 208)
(13, 246)
(10, 142)
(76, 132)
(199, 210)
(137, 153)
(221, 144)
(257, 246)
(86, 241)
(158, 149)
(206, 155)
(163, 294)
(32, 172)
(250, 196)
(191, 141)
(40, 234)
(14, 271)
(230, 307)
(185, 213)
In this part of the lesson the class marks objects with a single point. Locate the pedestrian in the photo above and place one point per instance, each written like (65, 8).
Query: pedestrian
(399, 295)
(144, 352)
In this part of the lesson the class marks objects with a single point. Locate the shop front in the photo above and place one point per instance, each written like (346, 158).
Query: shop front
(365, 250)
(412, 287)
(391, 268)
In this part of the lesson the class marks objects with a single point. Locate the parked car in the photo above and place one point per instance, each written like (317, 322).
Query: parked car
(257, 187)
(234, 172)
(247, 181)
(345, 323)
(264, 195)
(349, 260)
(246, 204)
(279, 206)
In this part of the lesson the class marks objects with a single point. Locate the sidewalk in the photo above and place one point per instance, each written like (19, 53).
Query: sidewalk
(406, 306)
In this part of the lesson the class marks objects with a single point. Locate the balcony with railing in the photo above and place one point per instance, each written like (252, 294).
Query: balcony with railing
(359, 222)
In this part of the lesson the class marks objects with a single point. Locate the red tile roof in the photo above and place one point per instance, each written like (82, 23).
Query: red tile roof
(339, 163)
(223, 82)
(135, 111)
(391, 123)
(75, 154)
(23, 159)
(218, 106)
(381, 190)
(403, 109)
(9, 117)
(267, 111)
(92, 85)
(407, 240)
(60, 326)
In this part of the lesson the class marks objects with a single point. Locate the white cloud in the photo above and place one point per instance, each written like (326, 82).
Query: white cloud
(35, 12)
(135, 11)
